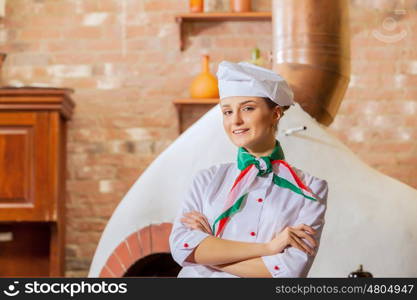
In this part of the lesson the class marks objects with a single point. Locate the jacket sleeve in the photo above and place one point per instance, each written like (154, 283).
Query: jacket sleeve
(293, 262)
(183, 240)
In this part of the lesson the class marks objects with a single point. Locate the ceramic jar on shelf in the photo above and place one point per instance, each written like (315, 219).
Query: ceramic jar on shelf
(240, 6)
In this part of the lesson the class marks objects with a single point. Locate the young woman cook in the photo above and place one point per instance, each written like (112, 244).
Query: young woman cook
(259, 216)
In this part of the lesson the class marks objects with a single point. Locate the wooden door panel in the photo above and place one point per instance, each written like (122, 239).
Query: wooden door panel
(24, 167)
(15, 157)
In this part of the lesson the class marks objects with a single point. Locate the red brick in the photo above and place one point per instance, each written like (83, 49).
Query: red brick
(82, 185)
(106, 273)
(17, 45)
(378, 159)
(104, 210)
(61, 8)
(409, 160)
(41, 21)
(109, 5)
(84, 238)
(77, 211)
(139, 31)
(114, 265)
(79, 83)
(410, 121)
(377, 51)
(145, 239)
(134, 6)
(208, 29)
(118, 57)
(135, 160)
(126, 172)
(40, 34)
(253, 28)
(90, 135)
(234, 42)
(408, 80)
(39, 72)
(135, 246)
(89, 226)
(372, 67)
(391, 147)
(72, 58)
(83, 32)
(90, 5)
(162, 5)
(68, 46)
(96, 172)
(124, 255)
(106, 159)
(88, 250)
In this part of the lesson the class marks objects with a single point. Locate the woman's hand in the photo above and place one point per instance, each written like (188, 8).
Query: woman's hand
(196, 220)
(292, 236)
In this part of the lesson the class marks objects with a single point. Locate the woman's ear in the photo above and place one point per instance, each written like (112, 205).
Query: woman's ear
(278, 112)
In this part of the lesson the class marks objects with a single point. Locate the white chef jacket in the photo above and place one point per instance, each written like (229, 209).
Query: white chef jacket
(268, 209)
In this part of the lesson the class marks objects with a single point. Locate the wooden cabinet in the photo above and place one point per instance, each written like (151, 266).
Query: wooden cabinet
(32, 180)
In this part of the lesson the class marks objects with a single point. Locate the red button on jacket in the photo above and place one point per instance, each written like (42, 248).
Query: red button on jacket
(252, 233)
(260, 200)
(276, 268)
(186, 245)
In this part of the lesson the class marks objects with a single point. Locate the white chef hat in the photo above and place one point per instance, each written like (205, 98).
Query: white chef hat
(245, 79)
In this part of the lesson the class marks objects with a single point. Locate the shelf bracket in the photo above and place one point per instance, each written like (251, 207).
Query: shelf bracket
(180, 24)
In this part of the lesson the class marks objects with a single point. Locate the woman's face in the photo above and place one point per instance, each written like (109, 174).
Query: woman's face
(248, 121)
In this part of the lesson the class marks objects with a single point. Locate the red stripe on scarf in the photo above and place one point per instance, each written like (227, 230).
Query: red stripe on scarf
(296, 178)
(222, 223)
(241, 175)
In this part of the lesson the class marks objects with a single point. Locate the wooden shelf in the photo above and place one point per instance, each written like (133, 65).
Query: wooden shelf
(224, 16)
(217, 17)
(197, 101)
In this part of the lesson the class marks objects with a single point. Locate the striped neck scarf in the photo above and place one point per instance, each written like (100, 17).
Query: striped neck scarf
(250, 167)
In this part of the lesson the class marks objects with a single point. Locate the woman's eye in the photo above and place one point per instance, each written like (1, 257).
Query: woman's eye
(248, 108)
(226, 112)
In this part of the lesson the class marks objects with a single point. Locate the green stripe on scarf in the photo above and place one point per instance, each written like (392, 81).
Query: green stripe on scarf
(229, 212)
(284, 183)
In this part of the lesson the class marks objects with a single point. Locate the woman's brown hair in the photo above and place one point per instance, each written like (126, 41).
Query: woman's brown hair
(271, 104)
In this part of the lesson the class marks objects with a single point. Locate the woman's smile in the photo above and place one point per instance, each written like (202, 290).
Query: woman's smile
(240, 131)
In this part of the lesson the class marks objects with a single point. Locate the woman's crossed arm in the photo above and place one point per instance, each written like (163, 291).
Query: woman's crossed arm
(243, 259)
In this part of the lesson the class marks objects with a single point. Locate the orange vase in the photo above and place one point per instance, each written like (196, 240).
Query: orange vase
(205, 84)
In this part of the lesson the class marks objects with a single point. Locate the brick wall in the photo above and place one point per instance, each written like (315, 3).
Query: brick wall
(377, 119)
(123, 60)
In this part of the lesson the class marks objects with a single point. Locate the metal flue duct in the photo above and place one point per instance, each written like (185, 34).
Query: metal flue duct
(311, 48)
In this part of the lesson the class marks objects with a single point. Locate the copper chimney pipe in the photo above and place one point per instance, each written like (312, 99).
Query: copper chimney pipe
(311, 50)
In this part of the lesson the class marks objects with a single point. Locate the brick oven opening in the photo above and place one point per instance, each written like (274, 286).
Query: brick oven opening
(143, 253)
(154, 265)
